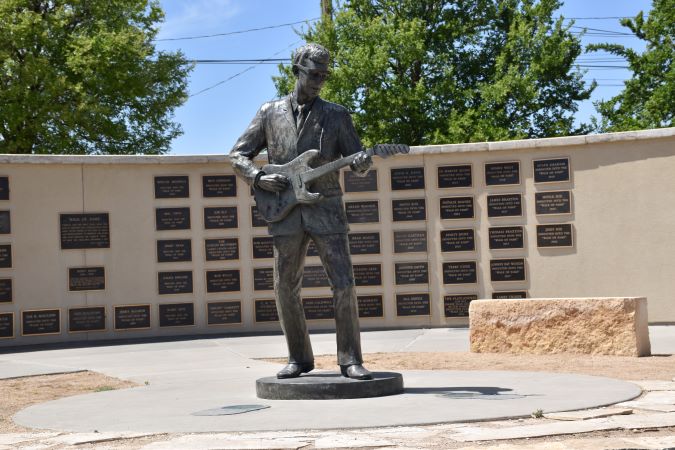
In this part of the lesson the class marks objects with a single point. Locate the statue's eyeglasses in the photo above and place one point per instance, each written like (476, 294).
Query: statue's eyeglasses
(314, 75)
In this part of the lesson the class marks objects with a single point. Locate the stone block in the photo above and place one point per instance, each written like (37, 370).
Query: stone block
(595, 326)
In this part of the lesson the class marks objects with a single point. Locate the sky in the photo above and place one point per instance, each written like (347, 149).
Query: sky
(224, 98)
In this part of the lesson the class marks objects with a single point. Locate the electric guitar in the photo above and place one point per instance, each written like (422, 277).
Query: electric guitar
(275, 206)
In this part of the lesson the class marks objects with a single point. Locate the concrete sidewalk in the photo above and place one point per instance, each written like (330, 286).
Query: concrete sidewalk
(185, 377)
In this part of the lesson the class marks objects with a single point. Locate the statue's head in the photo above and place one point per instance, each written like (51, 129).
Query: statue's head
(311, 68)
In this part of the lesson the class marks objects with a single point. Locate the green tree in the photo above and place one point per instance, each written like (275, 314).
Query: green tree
(84, 77)
(438, 71)
(648, 98)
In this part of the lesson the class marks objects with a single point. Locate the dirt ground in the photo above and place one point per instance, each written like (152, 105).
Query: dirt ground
(19, 393)
(659, 367)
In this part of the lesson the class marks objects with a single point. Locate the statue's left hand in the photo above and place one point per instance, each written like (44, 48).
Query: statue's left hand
(362, 163)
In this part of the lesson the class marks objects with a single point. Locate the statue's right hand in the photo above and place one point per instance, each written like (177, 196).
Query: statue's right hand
(274, 182)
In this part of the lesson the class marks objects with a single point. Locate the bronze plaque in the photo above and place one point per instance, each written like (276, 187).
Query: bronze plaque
(367, 274)
(407, 178)
(314, 276)
(457, 208)
(6, 294)
(460, 272)
(412, 273)
(172, 187)
(503, 238)
(179, 282)
(555, 235)
(506, 295)
(502, 173)
(88, 318)
(311, 249)
(362, 212)
(458, 240)
(223, 281)
(505, 205)
(86, 279)
(455, 176)
(132, 317)
(552, 202)
(409, 209)
(6, 325)
(263, 247)
(413, 305)
(219, 186)
(6, 256)
(355, 183)
(263, 279)
(4, 188)
(46, 321)
(507, 269)
(406, 241)
(172, 219)
(318, 308)
(221, 249)
(223, 313)
(364, 243)
(256, 219)
(457, 305)
(266, 311)
(176, 315)
(554, 170)
(5, 223)
(174, 250)
(220, 217)
(80, 231)
(370, 306)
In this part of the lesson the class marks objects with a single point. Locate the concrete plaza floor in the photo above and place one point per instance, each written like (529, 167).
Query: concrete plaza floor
(183, 377)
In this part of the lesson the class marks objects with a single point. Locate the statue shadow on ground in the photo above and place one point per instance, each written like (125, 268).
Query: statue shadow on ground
(474, 392)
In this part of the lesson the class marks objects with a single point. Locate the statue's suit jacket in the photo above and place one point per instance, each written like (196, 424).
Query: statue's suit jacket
(329, 129)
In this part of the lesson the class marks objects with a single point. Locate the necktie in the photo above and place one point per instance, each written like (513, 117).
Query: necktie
(302, 115)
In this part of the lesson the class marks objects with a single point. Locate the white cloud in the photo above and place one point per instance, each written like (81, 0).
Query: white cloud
(190, 17)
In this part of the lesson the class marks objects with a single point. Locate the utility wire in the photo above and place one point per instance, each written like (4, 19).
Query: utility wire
(229, 33)
(243, 71)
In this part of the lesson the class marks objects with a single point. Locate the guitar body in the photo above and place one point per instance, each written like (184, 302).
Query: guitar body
(275, 206)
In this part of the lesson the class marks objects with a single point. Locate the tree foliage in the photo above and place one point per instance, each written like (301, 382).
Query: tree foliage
(84, 77)
(648, 98)
(438, 71)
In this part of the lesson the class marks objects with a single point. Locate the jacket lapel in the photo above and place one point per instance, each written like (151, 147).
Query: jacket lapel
(288, 113)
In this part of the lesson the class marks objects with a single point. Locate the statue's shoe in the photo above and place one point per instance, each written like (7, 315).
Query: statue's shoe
(356, 372)
(294, 370)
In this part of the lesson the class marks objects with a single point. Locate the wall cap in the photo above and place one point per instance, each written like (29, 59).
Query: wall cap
(524, 144)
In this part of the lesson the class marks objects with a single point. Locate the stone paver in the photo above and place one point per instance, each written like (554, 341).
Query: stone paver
(587, 414)
(655, 385)
(225, 442)
(18, 438)
(631, 422)
(653, 401)
(92, 438)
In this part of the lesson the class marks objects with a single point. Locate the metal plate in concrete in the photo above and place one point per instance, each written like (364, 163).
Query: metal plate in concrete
(429, 397)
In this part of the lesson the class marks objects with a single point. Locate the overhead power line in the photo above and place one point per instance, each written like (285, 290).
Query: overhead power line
(598, 18)
(229, 33)
(243, 71)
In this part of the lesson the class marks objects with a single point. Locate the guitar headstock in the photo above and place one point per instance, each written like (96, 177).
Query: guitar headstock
(387, 150)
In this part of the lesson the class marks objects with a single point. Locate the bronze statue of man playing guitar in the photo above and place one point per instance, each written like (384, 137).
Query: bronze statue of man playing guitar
(307, 140)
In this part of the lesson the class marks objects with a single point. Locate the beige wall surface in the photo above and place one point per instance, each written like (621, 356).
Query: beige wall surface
(622, 194)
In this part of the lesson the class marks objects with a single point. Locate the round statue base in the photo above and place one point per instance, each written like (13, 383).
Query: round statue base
(329, 386)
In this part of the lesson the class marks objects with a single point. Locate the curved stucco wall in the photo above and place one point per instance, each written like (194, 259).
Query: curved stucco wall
(621, 190)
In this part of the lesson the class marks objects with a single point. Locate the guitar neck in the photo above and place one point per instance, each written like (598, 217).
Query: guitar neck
(332, 166)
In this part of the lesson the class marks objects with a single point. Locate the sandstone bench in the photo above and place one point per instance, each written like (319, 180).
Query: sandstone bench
(595, 326)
